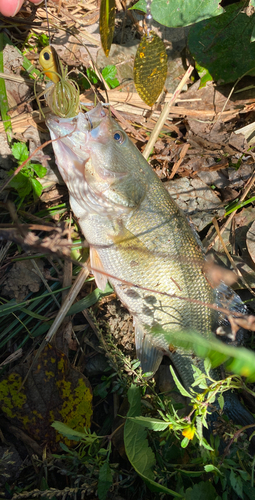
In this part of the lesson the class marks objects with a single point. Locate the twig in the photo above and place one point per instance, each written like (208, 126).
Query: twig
(246, 191)
(70, 298)
(160, 123)
(178, 163)
(215, 223)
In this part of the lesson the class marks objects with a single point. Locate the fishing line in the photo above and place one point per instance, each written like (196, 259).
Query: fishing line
(47, 19)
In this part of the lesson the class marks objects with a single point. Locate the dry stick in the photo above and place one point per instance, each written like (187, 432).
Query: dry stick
(215, 223)
(246, 191)
(178, 163)
(70, 298)
(230, 94)
(160, 123)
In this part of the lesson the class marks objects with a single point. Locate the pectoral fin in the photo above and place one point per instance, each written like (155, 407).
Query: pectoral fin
(130, 245)
(147, 352)
(96, 265)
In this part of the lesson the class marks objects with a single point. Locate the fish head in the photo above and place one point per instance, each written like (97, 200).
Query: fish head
(99, 163)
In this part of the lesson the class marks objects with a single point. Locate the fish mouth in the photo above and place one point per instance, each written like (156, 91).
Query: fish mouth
(80, 131)
(95, 117)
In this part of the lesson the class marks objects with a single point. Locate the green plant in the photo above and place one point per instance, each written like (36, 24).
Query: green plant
(25, 180)
(218, 38)
(108, 73)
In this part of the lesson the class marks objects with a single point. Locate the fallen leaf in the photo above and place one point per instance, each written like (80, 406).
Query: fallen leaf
(54, 390)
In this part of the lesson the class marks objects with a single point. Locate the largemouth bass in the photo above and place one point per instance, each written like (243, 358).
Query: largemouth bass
(139, 239)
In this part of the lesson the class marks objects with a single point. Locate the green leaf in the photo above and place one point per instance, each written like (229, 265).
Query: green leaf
(237, 359)
(199, 426)
(185, 442)
(177, 13)
(151, 423)
(71, 434)
(236, 483)
(221, 401)
(4, 105)
(222, 45)
(20, 151)
(179, 385)
(89, 300)
(92, 76)
(108, 74)
(137, 449)
(39, 169)
(66, 431)
(43, 40)
(104, 481)
(212, 468)
(21, 182)
(252, 4)
(204, 75)
(201, 491)
(37, 187)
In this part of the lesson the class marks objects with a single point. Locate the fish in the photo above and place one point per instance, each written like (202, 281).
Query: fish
(139, 240)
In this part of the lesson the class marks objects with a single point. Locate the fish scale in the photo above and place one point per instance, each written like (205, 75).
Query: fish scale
(139, 238)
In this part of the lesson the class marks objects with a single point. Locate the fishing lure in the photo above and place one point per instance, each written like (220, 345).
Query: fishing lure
(106, 24)
(150, 67)
(62, 95)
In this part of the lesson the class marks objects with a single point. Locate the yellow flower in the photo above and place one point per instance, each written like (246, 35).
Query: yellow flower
(189, 432)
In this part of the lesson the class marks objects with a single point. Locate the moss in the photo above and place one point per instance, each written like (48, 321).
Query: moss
(11, 399)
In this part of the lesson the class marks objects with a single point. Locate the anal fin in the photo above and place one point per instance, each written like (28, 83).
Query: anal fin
(96, 265)
(147, 352)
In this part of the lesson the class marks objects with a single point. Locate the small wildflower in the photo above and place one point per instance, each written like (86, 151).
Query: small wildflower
(189, 432)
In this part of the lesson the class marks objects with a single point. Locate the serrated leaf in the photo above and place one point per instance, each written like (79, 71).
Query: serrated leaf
(106, 24)
(150, 68)
(22, 183)
(37, 187)
(109, 72)
(104, 481)
(201, 491)
(20, 151)
(66, 431)
(219, 45)
(39, 169)
(150, 423)
(179, 385)
(176, 13)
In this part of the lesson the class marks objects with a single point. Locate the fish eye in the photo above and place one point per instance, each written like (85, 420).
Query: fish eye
(119, 137)
(46, 56)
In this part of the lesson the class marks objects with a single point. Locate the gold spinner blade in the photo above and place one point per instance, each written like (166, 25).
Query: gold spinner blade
(150, 68)
(106, 24)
